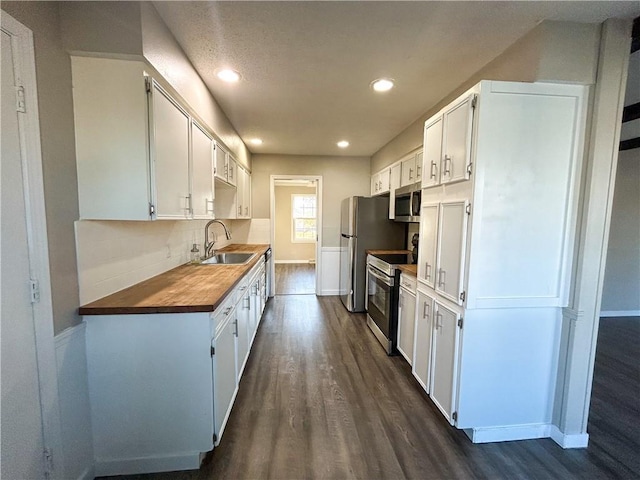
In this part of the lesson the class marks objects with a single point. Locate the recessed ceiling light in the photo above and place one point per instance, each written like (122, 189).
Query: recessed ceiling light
(256, 141)
(382, 84)
(228, 75)
(343, 144)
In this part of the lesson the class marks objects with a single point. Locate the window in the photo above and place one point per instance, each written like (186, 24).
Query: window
(303, 217)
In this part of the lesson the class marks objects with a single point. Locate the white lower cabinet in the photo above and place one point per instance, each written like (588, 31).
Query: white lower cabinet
(406, 316)
(421, 367)
(225, 380)
(444, 359)
(162, 386)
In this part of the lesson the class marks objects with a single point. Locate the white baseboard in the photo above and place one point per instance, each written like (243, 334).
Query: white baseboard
(135, 466)
(508, 433)
(620, 313)
(329, 293)
(578, 440)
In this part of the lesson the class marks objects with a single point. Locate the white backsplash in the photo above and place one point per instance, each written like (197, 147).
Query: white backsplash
(113, 255)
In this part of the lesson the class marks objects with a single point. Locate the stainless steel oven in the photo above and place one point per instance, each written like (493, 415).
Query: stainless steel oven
(381, 307)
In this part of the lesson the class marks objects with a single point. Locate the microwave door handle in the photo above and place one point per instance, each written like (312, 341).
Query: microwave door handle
(347, 236)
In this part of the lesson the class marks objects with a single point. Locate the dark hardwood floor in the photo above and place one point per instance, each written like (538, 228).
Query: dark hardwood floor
(320, 399)
(295, 279)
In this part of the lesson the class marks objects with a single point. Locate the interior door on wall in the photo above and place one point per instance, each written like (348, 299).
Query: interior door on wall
(22, 440)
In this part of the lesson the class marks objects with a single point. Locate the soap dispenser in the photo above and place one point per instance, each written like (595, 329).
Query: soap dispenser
(195, 254)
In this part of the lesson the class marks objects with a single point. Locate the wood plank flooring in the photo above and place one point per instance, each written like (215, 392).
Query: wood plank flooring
(295, 279)
(320, 399)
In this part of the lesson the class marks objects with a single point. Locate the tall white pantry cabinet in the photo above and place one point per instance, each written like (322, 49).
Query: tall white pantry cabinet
(501, 177)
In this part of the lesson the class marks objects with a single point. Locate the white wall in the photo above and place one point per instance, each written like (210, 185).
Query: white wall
(342, 177)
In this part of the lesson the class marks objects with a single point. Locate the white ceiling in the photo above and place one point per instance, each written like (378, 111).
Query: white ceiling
(307, 66)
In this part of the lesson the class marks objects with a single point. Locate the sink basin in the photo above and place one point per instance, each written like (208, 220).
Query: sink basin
(228, 258)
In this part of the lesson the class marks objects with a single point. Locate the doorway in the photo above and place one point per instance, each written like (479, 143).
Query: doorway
(296, 226)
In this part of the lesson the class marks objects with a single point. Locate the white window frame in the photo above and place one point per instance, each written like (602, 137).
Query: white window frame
(293, 218)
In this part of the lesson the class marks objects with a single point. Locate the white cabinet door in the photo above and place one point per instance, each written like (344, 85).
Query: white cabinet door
(170, 155)
(232, 171)
(427, 245)
(242, 329)
(385, 177)
(240, 193)
(432, 153)
(224, 367)
(444, 366)
(374, 184)
(408, 171)
(456, 143)
(202, 193)
(247, 195)
(422, 339)
(406, 324)
(419, 162)
(394, 182)
(452, 233)
(221, 167)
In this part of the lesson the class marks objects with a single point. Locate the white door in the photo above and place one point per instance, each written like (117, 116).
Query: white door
(28, 377)
(427, 245)
(422, 339)
(406, 324)
(225, 379)
(456, 144)
(201, 172)
(432, 152)
(170, 151)
(445, 359)
(451, 250)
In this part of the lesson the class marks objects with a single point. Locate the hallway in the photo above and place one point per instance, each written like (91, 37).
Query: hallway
(320, 399)
(295, 279)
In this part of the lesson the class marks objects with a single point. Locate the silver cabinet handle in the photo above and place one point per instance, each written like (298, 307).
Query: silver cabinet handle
(434, 170)
(246, 209)
(427, 273)
(447, 161)
(188, 207)
(425, 310)
(235, 322)
(227, 311)
(418, 171)
(438, 323)
(209, 202)
(240, 210)
(410, 173)
(441, 277)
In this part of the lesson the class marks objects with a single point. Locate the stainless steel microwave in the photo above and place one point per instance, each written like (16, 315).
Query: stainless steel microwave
(407, 204)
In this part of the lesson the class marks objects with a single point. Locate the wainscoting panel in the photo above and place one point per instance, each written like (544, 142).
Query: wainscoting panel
(330, 273)
(75, 411)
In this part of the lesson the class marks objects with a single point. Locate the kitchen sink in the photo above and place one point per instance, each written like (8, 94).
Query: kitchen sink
(230, 258)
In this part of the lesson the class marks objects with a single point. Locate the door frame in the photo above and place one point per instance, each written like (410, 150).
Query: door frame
(37, 240)
(272, 218)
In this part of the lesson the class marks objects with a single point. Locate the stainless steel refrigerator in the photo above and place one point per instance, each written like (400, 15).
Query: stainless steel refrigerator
(364, 225)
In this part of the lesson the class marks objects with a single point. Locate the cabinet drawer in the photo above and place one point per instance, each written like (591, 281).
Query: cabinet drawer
(408, 281)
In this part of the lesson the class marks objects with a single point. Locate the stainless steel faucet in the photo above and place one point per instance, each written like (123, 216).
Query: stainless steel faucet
(208, 246)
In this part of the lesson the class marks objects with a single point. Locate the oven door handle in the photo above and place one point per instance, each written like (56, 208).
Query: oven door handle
(383, 278)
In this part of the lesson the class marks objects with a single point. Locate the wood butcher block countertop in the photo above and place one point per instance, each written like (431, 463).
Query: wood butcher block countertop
(410, 269)
(184, 289)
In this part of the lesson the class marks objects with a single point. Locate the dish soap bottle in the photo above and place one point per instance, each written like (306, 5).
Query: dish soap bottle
(195, 254)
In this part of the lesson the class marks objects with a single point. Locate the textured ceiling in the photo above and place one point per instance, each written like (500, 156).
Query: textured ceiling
(306, 66)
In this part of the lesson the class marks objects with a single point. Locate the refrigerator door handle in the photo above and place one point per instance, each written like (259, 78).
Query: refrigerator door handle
(347, 236)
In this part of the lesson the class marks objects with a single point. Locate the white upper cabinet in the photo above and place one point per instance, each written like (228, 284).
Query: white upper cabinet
(170, 155)
(409, 174)
(243, 193)
(394, 182)
(411, 168)
(456, 141)
(432, 152)
(447, 143)
(202, 147)
(380, 182)
(225, 166)
(134, 146)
